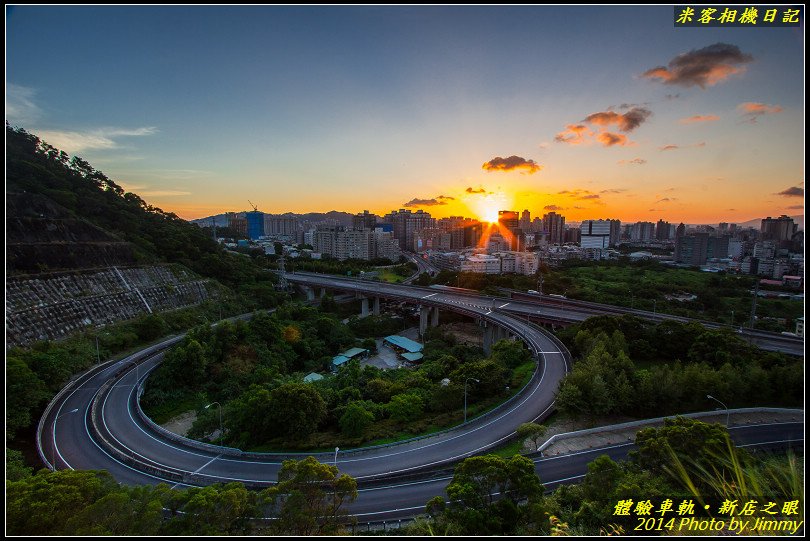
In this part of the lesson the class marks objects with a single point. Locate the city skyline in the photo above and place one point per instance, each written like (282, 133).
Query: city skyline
(591, 112)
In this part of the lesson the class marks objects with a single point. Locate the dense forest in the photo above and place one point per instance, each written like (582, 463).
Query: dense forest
(255, 370)
(632, 367)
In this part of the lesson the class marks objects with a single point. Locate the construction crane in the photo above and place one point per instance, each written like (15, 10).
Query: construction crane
(255, 208)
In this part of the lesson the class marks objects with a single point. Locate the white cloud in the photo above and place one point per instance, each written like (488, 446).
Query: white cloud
(20, 107)
(98, 139)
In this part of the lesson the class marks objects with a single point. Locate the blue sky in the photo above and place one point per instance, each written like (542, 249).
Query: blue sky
(198, 109)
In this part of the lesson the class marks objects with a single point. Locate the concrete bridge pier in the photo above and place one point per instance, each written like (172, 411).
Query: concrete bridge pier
(376, 310)
(323, 292)
(488, 338)
(309, 292)
(434, 321)
(424, 312)
(364, 307)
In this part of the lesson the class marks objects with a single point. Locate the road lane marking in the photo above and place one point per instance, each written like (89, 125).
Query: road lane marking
(207, 463)
(501, 306)
(426, 296)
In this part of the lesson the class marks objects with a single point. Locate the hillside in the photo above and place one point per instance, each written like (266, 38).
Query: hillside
(63, 214)
(81, 253)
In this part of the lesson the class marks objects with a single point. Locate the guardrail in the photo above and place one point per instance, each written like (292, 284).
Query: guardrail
(655, 421)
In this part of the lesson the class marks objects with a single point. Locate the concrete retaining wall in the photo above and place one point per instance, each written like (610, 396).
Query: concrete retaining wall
(54, 306)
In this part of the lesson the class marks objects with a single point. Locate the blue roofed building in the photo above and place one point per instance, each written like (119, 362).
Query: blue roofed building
(346, 356)
(404, 346)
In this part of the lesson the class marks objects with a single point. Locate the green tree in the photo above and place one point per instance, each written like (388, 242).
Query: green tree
(297, 409)
(485, 493)
(355, 420)
(531, 431)
(685, 437)
(309, 498)
(405, 407)
(25, 392)
(510, 354)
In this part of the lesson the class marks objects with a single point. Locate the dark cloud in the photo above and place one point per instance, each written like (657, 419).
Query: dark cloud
(665, 200)
(614, 190)
(634, 161)
(672, 96)
(590, 196)
(479, 190)
(626, 122)
(512, 163)
(795, 207)
(610, 139)
(793, 191)
(703, 67)
(553, 207)
(669, 147)
(416, 202)
(446, 198)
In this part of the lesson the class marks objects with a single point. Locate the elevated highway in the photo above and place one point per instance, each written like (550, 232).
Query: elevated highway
(96, 423)
(550, 309)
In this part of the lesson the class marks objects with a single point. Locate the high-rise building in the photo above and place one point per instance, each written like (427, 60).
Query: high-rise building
(595, 234)
(406, 223)
(662, 230)
(364, 220)
(342, 243)
(642, 231)
(278, 224)
(525, 220)
(717, 247)
(237, 222)
(692, 249)
(554, 227)
(255, 224)
(778, 229)
(615, 231)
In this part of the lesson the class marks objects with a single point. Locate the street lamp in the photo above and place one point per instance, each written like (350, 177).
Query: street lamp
(465, 395)
(53, 433)
(336, 452)
(221, 430)
(727, 413)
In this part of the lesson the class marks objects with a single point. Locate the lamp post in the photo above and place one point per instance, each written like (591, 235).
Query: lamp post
(336, 452)
(221, 429)
(465, 395)
(53, 434)
(727, 413)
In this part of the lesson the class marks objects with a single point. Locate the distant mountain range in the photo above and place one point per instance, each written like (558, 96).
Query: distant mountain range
(342, 218)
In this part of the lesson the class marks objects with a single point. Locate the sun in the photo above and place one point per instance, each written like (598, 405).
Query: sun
(490, 215)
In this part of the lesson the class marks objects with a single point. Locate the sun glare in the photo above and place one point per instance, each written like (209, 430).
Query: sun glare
(490, 215)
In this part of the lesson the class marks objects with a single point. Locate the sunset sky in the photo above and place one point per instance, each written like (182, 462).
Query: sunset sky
(596, 112)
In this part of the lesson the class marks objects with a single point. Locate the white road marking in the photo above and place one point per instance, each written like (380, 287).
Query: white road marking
(501, 306)
(207, 463)
(426, 296)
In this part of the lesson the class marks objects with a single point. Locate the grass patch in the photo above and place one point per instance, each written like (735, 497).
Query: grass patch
(508, 450)
(172, 408)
